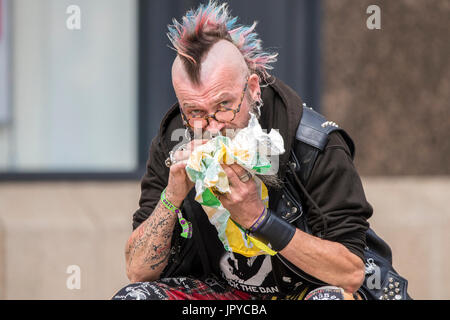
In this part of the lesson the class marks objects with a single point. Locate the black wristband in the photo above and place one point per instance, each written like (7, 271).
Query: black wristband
(276, 231)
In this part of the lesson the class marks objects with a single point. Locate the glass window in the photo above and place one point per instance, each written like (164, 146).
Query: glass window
(73, 91)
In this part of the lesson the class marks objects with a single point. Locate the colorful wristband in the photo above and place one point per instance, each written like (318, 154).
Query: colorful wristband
(185, 225)
(259, 221)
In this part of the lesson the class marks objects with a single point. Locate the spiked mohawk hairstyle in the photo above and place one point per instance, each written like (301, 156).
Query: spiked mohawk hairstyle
(199, 30)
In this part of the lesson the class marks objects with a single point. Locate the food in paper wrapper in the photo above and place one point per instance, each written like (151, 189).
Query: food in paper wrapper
(251, 148)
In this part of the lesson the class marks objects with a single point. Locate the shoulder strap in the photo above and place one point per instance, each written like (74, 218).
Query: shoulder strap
(314, 128)
(312, 137)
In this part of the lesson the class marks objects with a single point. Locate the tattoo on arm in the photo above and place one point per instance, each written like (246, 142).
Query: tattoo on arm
(152, 240)
(159, 256)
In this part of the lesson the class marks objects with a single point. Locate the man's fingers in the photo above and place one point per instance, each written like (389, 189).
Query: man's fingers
(238, 170)
(185, 153)
(178, 168)
(181, 155)
(231, 174)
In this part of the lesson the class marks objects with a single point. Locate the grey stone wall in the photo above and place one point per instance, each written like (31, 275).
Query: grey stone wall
(390, 88)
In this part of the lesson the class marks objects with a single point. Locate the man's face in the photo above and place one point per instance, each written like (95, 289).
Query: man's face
(222, 94)
(223, 77)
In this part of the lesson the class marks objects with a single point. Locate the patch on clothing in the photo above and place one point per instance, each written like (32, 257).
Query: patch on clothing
(141, 291)
(252, 275)
(326, 293)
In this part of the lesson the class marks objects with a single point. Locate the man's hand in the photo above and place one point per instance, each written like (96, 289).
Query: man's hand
(244, 202)
(179, 183)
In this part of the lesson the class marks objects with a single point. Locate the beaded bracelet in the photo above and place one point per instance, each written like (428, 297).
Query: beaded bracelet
(258, 222)
(185, 225)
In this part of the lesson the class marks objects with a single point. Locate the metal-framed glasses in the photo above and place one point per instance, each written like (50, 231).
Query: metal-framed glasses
(222, 114)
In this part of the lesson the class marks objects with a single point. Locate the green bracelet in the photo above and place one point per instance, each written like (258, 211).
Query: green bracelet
(185, 225)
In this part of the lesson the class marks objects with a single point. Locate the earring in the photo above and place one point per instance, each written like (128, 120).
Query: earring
(258, 105)
(187, 134)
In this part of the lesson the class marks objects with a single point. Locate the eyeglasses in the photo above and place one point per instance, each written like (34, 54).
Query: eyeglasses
(223, 114)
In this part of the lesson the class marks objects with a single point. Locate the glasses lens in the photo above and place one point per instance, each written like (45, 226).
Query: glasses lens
(198, 122)
(225, 116)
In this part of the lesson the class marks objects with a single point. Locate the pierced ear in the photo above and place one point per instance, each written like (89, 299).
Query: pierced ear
(254, 86)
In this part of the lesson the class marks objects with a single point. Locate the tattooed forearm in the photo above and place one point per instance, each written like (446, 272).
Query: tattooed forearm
(159, 257)
(156, 255)
(148, 248)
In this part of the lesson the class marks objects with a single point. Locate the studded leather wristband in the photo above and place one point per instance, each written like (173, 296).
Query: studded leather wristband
(275, 230)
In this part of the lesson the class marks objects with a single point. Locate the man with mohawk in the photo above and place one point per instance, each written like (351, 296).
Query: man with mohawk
(316, 231)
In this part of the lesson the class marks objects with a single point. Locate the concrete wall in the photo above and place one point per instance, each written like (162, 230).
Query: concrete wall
(390, 87)
(46, 227)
